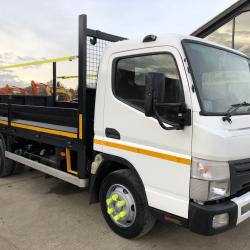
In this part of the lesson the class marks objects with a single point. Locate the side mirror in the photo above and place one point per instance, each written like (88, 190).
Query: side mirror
(155, 98)
(154, 91)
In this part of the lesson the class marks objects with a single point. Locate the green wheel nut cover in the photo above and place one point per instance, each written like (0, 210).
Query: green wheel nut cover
(109, 201)
(115, 197)
(121, 203)
(110, 210)
(117, 217)
(122, 214)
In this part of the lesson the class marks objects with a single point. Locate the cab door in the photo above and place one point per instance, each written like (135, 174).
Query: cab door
(161, 157)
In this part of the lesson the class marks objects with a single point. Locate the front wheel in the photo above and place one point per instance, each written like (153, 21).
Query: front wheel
(124, 205)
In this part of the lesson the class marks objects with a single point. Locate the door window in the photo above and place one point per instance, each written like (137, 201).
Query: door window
(130, 74)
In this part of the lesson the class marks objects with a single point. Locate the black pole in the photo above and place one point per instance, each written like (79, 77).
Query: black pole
(54, 83)
(82, 65)
(82, 100)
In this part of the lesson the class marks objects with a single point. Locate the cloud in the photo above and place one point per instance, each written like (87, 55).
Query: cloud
(7, 77)
(50, 28)
(16, 76)
(9, 58)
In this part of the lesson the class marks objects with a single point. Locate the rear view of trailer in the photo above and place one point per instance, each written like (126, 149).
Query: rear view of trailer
(45, 134)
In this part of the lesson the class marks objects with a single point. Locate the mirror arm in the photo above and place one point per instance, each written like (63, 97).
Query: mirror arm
(174, 125)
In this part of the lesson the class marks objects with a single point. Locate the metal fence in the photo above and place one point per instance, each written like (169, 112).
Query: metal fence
(96, 43)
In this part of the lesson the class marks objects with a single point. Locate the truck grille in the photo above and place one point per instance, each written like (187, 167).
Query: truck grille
(240, 176)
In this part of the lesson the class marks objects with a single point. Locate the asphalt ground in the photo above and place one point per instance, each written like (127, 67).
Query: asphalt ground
(46, 213)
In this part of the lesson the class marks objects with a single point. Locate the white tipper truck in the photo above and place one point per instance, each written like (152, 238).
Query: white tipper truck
(171, 136)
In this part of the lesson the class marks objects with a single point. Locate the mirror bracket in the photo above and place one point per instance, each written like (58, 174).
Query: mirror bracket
(174, 126)
(183, 113)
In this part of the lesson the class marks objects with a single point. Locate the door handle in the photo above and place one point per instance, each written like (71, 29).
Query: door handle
(112, 133)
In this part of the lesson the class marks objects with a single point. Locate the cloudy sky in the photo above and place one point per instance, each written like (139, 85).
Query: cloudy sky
(31, 30)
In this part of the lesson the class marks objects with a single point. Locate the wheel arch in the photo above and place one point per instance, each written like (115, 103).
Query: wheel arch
(109, 164)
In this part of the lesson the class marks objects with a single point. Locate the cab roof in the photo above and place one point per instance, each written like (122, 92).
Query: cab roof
(173, 40)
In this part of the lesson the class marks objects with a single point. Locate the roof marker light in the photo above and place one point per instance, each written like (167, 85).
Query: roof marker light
(149, 38)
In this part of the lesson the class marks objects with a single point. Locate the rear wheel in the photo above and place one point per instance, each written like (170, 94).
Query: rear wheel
(124, 205)
(6, 165)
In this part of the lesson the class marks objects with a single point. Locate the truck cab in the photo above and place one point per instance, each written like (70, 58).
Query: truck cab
(177, 109)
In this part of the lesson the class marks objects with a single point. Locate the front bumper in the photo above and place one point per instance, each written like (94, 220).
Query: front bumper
(201, 216)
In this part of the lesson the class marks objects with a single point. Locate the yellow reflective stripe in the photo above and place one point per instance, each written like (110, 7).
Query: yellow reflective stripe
(3, 122)
(80, 126)
(91, 75)
(70, 77)
(61, 59)
(68, 162)
(45, 130)
(159, 155)
(66, 77)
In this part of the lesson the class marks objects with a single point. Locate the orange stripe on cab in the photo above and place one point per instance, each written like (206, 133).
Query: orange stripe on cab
(159, 155)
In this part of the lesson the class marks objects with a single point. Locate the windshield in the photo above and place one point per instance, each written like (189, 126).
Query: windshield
(222, 77)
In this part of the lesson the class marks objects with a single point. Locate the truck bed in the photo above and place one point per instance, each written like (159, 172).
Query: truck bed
(32, 124)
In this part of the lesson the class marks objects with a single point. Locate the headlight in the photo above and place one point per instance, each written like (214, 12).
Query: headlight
(210, 180)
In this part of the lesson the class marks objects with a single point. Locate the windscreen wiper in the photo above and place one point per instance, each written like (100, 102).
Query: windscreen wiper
(232, 109)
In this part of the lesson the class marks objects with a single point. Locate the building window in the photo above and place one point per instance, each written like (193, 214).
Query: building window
(130, 73)
(222, 35)
(242, 33)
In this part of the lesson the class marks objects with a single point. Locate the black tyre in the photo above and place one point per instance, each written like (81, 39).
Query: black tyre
(6, 165)
(124, 205)
(18, 168)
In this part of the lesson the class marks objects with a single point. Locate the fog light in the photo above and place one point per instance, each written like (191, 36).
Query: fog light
(220, 220)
